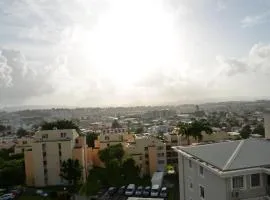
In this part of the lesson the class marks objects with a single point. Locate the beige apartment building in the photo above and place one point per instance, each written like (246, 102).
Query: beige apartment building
(49, 149)
(23, 144)
(148, 152)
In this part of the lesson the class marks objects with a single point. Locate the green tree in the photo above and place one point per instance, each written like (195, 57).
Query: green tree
(115, 124)
(194, 129)
(111, 152)
(259, 129)
(130, 170)
(21, 132)
(71, 170)
(12, 173)
(245, 132)
(90, 139)
(60, 124)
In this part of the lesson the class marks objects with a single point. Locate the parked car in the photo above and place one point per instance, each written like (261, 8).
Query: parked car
(155, 190)
(146, 191)
(8, 196)
(112, 191)
(39, 192)
(139, 191)
(130, 190)
(163, 192)
(121, 190)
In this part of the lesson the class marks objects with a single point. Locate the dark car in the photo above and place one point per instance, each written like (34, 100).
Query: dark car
(139, 191)
(163, 192)
(146, 191)
(112, 191)
(121, 190)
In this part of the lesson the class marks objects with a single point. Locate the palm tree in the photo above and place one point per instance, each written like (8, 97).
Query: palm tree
(194, 129)
(199, 126)
(184, 130)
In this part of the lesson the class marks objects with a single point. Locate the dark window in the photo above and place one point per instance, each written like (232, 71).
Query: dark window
(43, 147)
(45, 171)
(147, 162)
(190, 163)
(60, 153)
(45, 136)
(44, 162)
(44, 154)
(145, 148)
(108, 145)
(202, 192)
(63, 134)
(107, 138)
(255, 180)
(201, 170)
(59, 145)
(24, 142)
(146, 156)
(140, 158)
(161, 161)
(76, 141)
(238, 182)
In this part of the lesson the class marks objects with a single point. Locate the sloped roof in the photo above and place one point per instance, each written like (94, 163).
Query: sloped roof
(233, 155)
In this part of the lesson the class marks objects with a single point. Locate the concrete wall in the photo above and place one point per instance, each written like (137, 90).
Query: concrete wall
(248, 191)
(267, 124)
(29, 168)
(214, 186)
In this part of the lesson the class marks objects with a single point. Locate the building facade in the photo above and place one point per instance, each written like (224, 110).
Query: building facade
(228, 171)
(49, 149)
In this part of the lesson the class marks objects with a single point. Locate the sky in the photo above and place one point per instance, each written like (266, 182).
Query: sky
(133, 52)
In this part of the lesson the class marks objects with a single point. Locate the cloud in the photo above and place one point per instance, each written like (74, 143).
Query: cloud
(18, 80)
(221, 5)
(257, 61)
(251, 21)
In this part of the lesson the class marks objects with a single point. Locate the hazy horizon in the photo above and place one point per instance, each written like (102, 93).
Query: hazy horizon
(89, 53)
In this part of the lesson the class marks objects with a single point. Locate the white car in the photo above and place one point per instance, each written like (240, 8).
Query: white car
(8, 196)
(130, 190)
(155, 190)
(39, 192)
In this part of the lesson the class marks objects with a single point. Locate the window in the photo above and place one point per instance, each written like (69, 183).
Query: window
(190, 184)
(146, 155)
(24, 142)
(255, 180)
(140, 157)
(76, 141)
(160, 148)
(44, 154)
(160, 155)
(145, 148)
(147, 162)
(44, 162)
(60, 153)
(201, 170)
(107, 138)
(59, 146)
(43, 147)
(45, 172)
(202, 194)
(45, 136)
(190, 164)
(238, 182)
(161, 161)
(108, 145)
(63, 134)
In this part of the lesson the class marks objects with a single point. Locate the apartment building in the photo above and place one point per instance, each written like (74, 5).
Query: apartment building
(148, 152)
(23, 144)
(48, 150)
(227, 171)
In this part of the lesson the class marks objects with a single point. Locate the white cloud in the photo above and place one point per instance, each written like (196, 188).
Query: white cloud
(221, 5)
(250, 21)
